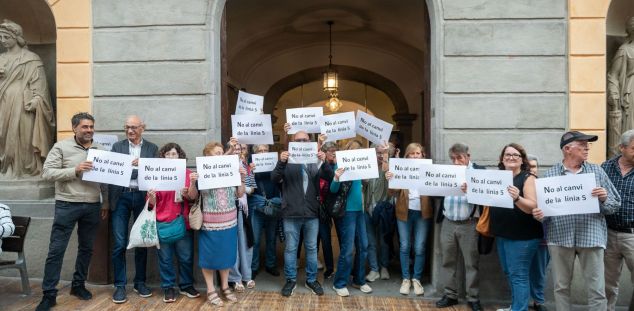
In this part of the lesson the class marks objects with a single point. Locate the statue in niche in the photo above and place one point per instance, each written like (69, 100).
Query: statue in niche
(26, 113)
(620, 91)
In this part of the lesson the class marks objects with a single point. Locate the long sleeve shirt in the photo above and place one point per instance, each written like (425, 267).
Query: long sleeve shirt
(6, 224)
(623, 218)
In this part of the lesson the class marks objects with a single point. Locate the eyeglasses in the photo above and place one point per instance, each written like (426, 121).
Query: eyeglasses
(512, 155)
(131, 127)
(302, 140)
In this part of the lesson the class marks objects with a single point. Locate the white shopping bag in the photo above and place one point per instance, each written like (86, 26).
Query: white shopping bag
(144, 233)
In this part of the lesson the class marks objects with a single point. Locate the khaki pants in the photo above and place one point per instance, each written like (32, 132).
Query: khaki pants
(591, 260)
(620, 248)
(454, 237)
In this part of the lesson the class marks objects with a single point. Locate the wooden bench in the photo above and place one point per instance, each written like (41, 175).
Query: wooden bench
(15, 244)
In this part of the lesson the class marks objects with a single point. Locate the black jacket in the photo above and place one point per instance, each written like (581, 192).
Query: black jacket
(295, 203)
(148, 150)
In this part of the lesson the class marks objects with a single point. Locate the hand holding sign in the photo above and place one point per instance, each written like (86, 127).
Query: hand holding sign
(357, 164)
(218, 171)
(264, 162)
(161, 174)
(252, 129)
(107, 167)
(567, 195)
(489, 187)
(302, 153)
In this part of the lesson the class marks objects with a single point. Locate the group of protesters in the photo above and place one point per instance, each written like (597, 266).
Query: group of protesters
(298, 204)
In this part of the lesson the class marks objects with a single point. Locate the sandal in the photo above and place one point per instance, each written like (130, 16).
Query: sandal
(251, 284)
(229, 295)
(239, 288)
(214, 299)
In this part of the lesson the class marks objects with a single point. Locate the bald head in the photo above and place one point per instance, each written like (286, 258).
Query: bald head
(134, 128)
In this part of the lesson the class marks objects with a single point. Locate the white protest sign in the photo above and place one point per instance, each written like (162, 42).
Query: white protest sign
(264, 162)
(567, 195)
(161, 174)
(252, 129)
(359, 164)
(489, 187)
(218, 171)
(441, 180)
(338, 126)
(302, 153)
(249, 103)
(304, 119)
(406, 173)
(109, 168)
(105, 140)
(372, 128)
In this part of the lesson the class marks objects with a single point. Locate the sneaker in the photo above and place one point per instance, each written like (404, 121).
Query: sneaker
(418, 288)
(385, 275)
(445, 301)
(142, 290)
(289, 288)
(272, 271)
(169, 295)
(405, 287)
(343, 292)
(315, 288)
(504, 309)
(319, 265)
(372, 276)
(119, 295)
(48, 301)
(365, 288)
(80, 292)
(190, 292)
(329, 274)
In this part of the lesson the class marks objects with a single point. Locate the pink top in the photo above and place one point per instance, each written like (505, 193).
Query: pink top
(167, 210)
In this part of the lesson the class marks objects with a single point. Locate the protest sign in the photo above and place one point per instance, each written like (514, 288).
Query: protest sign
(406, 173)
(567, 195)
(304, 119)
(105, 140)
(249, 103)
(218, 171)
(161, 174)
(372, 128)
(359, 164)
(264, 162)
(441, 180)
(109, 168)
(252, 129)
(338, 126)
(302, 153)
(489, 187)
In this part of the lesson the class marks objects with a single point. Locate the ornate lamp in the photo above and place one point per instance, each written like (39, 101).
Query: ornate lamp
(331, 80)
(333, 104)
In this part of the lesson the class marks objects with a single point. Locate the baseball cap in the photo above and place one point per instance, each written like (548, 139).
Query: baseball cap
(571, 136)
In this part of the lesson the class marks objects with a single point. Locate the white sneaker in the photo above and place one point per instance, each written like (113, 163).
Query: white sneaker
(319, 265)
(343, 292)
(385, 275)
(504, 309)
(418, 288)
(405, 287)
(365, 288)
(372, 276)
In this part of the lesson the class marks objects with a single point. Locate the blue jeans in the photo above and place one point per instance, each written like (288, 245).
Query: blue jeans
(184, 250)
(241, 270)
(128, 203)
(537, 273)
(515, 258)
(292, 228)
(418, 227)
(263, 224)
(378, 250)
(353, 234)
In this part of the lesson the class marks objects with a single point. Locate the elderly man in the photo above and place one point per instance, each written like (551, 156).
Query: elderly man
(77, 202)
(620, 224)
(300, 212)
(581, 235)
(125, 201)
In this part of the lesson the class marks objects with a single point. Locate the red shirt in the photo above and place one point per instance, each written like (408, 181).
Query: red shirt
(167, 210)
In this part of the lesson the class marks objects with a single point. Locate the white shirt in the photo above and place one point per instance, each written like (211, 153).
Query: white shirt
(414, 200)
(135, 151)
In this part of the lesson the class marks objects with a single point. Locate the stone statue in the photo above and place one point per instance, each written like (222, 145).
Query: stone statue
(26, 114)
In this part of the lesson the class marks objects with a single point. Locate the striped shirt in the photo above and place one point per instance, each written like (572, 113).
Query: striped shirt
(582, 230)
(456, 208)
(6, 224)
(219, 209)
(624, 216)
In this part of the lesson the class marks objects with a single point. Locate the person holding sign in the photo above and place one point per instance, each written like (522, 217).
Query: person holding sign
(171, 205)
(325, 220)
(413, 220)
(77, 202)
(582, 235)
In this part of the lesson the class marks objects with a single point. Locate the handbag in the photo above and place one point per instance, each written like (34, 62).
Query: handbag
(196, 214)
(170, 232)
(338, 208)
(485, 237)
(143, 232)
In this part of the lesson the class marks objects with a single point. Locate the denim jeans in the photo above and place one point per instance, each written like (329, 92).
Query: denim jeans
(67, 214)
(241, 270)
(353, 234)
(378, 250)
(515, 258)
(310, 229)
(537, 274)
(417, 227)
(263, 224)
(184, 250)
(128, 203)
(325, 237)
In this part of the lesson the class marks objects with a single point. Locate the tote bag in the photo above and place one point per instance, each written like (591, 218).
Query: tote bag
(143, 233)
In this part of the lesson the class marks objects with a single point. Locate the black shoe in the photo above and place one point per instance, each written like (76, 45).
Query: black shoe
(272, 271)
(289, 288)
(190, 292)
(315, 287)
(538, 307)
(119, 295)
(446, 302)
(169, 295)
(47, 303)
(80, 292)
(329, 273)
(142, 290)
(254, 274)
(475, 305)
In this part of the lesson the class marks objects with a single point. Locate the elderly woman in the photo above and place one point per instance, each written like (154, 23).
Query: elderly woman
(218, 238)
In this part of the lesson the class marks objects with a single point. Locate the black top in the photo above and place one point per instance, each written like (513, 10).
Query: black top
(513, 223)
